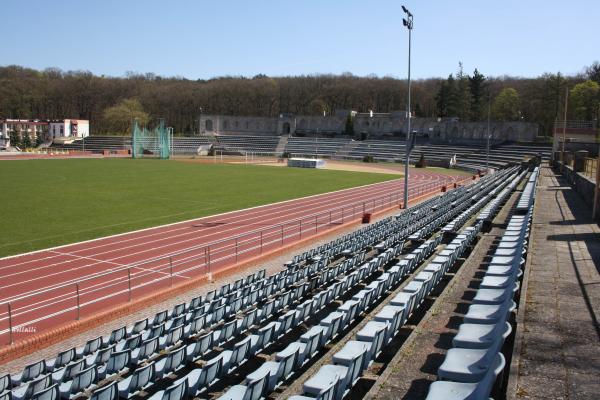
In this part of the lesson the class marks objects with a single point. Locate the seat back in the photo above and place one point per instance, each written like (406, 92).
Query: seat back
(92, 345)
(5, 382)
(37, 385)
(50, 393)
(195, 302)
(64, 357)
(289, 362)
(198, 324)
(178, 320)
(34, 370)
(139, 326)
(228, 330)
(148, 348)
(240, 352)
(103, 355)
(174, 335)
(6, 395)
(73, 369)
(330, 392)
(117, 335)
(257, 388)
(117, 361)
(176, 392)
(84, 379)
(159, 318)
(178, 310)
(314, 343)
(355, 368)
(133, 342)
(141, 377)
(213, 370)
(110, 392)
(157, 331)
(175, 359)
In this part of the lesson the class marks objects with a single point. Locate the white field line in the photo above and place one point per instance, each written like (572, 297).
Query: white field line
(165, 276)
(179, 222)
(363, 196)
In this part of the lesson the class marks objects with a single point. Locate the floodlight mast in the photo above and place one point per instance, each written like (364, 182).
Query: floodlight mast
(408, 23)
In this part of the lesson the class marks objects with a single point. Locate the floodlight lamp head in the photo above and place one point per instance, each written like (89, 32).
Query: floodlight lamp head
(405, 9)
(404, 22)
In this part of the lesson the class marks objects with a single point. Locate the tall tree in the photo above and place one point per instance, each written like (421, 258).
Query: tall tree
(120, 116)
(506, 105)
(478, 97)
(463, 94)
(584, 98)
(446, 98)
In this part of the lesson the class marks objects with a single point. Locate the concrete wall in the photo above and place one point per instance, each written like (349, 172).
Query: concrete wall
(581, 183)
(394, 124)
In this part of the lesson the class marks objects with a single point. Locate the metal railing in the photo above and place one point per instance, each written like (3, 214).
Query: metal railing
(70, 301)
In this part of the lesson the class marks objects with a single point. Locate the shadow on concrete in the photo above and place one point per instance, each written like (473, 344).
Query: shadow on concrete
(581, 215)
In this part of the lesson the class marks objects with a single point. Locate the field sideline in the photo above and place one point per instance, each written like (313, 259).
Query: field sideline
(54, 202)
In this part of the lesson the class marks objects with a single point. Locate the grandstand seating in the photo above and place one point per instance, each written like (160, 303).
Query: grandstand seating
(247, 144)
(473, 364)
(228, 327)
(468, 157)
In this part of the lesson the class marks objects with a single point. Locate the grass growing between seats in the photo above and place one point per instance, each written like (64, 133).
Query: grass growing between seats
(53, 202)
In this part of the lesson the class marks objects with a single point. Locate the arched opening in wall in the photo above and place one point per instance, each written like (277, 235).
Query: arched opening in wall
(225, 124)
(510, 134)
(208, 125)
(454, 132)
(286, 128)
(302, 124)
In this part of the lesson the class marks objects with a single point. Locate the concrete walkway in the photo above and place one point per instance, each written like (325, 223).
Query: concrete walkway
(558, 343)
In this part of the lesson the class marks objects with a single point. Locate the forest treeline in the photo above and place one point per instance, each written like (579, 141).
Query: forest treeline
(110, 102)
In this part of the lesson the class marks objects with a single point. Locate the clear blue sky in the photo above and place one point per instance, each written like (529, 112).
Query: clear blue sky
(203, 39)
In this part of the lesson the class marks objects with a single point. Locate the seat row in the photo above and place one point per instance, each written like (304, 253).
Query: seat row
(528, 196)
(491, 201)
(228, 360)
(200, 379)
(473, 364)
(335, 380)
(271, 374)
(166, 329)
(492, 208)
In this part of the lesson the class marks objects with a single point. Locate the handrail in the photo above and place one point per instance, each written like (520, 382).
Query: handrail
(267, 236)
(211, 244)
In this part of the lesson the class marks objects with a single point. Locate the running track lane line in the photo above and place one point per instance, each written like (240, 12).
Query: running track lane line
(412, 190)
(171, 244)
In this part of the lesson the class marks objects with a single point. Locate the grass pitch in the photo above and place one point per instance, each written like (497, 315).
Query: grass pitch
(53, 202)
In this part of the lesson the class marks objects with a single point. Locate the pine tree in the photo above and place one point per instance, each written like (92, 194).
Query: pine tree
(478, 100)
(463, 94)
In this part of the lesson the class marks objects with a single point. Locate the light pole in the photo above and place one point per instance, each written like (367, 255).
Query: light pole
(564, 135)
(487, 150)
(408, 23)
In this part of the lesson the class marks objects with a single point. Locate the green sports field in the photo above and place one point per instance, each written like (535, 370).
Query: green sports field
(52, 202)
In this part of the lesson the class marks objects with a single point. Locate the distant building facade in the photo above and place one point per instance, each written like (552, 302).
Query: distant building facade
(394, 124)
(44, 129)
(69, 128)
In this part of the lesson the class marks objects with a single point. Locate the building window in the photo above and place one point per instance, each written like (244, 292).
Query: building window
(61, 130)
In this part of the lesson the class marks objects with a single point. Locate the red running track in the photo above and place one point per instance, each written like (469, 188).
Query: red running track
(42, 289)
